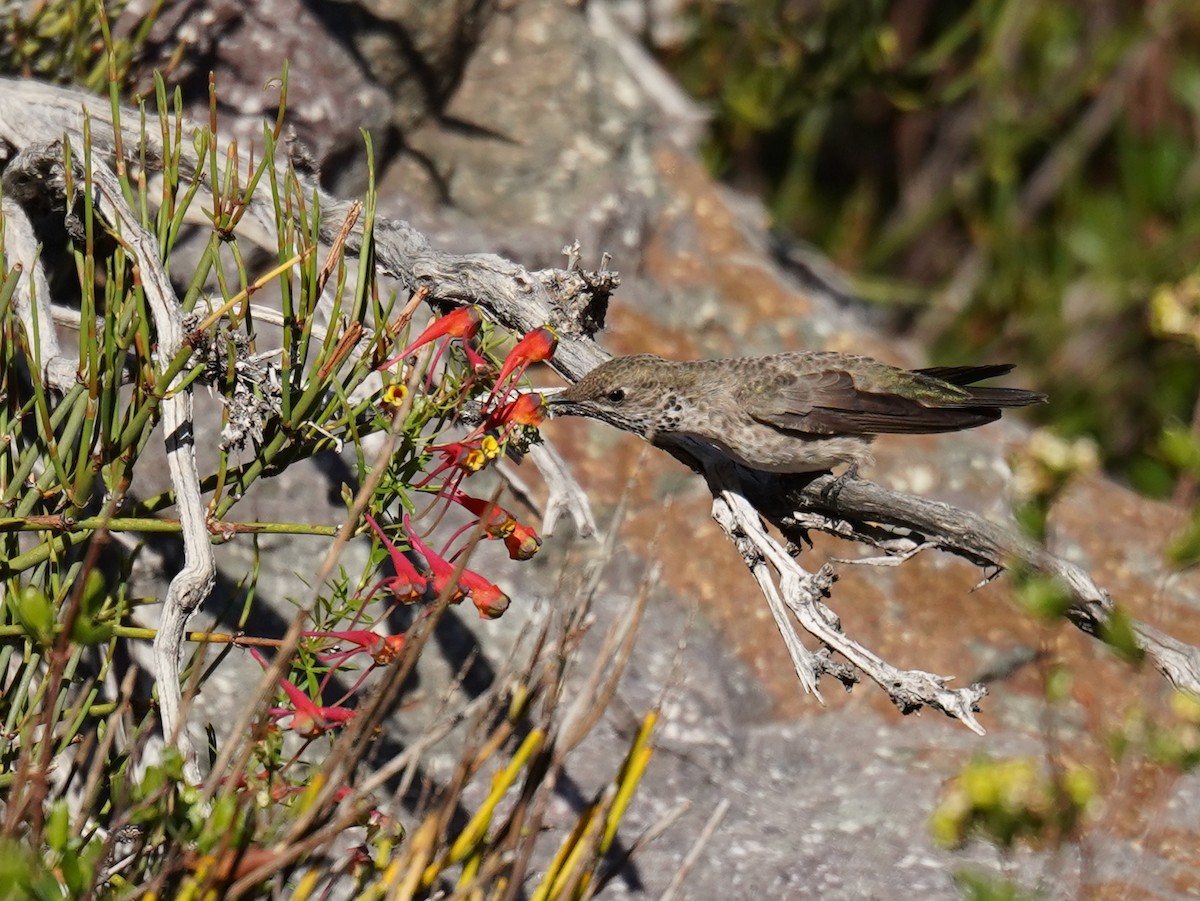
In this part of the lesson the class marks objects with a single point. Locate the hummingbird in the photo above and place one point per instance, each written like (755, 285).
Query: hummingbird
(789, 412)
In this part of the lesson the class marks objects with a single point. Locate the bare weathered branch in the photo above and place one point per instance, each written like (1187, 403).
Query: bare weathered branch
(869, 508)
(192, 584)
(804, 594)
(32, 299)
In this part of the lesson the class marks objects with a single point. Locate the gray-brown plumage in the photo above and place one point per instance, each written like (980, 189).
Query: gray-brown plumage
(795, 412)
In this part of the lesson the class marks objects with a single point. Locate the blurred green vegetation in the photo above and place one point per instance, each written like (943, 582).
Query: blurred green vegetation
(1018, 178)
(65, 41)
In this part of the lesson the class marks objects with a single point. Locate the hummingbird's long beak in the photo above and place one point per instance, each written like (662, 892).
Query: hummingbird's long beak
(562, 403)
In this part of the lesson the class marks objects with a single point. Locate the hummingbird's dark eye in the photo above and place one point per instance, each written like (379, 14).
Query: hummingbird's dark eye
(616, 395)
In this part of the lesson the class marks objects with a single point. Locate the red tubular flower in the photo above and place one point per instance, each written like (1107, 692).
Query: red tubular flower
(365, 639)
(478, 364)
(461, 323)
(470, 456)
(488, 599)
(407, 585)
(529, 409)
(536, 347)
(307, 718)
(442, 571)
(388, 650)
(522, 542)
(499, 521)
(382, 648)
(464, 456)
(311, 721)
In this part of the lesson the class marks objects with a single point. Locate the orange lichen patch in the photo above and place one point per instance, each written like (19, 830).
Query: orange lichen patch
(1134, 808)
(1179, 846)
(1114, 890)
(633, 332)
(1187, 882)
(756, 294)
(699, 197)
(1131, 570)
(869, 346)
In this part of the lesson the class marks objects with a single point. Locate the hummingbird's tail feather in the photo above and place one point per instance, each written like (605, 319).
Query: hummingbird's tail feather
(1005, 397)
(967, 376)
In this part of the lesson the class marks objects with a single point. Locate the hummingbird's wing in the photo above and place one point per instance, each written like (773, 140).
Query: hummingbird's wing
(878, 399)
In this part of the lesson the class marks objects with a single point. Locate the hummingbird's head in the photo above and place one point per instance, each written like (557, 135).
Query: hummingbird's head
(625, 392)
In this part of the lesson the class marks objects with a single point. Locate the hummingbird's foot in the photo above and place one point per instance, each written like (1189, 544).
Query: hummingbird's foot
(829, 494)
